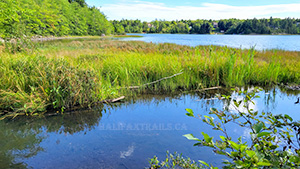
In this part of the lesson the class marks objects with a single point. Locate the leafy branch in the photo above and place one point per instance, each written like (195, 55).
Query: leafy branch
(275, 139)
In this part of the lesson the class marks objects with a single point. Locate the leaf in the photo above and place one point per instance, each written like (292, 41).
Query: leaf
(273, 147)
(221, 152)
(263, 163)
(257, 127)
(190, 112)
(206, 137)
(213, 110)
(294, 159)
(234, 145)
(288, 117)
(250, 153)
(197, 144)
(203, 163)
(243, 147)
(191, 137)
(263, 134)
(223, 138)
(234, 154)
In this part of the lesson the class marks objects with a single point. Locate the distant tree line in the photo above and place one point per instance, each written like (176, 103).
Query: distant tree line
(51, 17)
(75, 17)
(227, 26)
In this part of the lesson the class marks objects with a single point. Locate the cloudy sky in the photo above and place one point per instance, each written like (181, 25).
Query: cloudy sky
(148, 10)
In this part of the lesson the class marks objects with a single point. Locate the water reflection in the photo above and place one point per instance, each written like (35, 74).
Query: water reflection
(124, 154)
(17, 143)
(20, 138)
(128, 134)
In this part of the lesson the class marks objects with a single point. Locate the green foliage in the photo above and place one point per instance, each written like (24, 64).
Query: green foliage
(228, 26)
(274, 138)
(175, 161)
(50, 17)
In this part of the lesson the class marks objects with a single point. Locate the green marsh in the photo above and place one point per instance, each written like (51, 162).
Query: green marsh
(59, 75)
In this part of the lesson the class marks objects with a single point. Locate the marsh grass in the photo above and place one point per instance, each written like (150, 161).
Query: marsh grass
(62, 74)
(127, 36)
(32, 84)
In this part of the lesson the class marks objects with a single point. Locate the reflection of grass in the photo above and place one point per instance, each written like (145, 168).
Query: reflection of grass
(18, 143)
(64, 74)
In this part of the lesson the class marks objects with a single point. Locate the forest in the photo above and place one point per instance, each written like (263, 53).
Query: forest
(227, 26)
(51, 18)
(76, 18)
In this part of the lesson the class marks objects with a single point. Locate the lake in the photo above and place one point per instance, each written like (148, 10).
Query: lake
(259, 42)
(127, 134)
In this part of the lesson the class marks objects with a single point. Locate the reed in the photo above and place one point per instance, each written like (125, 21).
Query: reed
(62, 74)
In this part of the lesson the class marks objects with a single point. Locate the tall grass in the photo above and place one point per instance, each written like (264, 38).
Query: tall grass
(32, 84)
(59, 75)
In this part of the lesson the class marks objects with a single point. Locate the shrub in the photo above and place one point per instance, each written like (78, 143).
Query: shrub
(274, 138)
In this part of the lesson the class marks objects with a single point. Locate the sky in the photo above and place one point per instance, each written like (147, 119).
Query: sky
(149, 10)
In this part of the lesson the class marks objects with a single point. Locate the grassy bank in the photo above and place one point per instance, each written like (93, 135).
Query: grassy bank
(127, 36)
(60, 75)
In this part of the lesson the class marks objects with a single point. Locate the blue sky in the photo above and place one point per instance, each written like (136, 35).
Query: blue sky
(148, 10)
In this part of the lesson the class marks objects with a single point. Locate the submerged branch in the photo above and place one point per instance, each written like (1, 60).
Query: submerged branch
(169, 77)
(210, 88)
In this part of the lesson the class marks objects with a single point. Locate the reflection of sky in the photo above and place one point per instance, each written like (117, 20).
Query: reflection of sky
(243, 107)
(131, 148)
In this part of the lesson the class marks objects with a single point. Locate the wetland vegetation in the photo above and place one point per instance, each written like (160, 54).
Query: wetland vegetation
(62, 74)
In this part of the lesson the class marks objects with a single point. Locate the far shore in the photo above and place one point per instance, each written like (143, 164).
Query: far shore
(130, 35)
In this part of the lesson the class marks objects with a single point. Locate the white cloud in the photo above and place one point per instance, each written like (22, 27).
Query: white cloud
(149, 11)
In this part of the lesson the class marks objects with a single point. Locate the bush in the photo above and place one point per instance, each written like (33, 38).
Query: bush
(274, 138)
(174, 161)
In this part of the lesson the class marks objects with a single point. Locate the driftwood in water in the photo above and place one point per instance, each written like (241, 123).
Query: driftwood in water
(169, 77)
(210, 88)
(295, 87)
(113, 100)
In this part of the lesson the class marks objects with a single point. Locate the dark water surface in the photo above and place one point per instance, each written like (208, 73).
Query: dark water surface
(126, 135)
(259, 42)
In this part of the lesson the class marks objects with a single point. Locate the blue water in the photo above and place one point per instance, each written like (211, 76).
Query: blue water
(126, 135)
(259, 42)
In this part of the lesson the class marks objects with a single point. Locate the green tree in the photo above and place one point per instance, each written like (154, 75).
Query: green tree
(80, 2)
